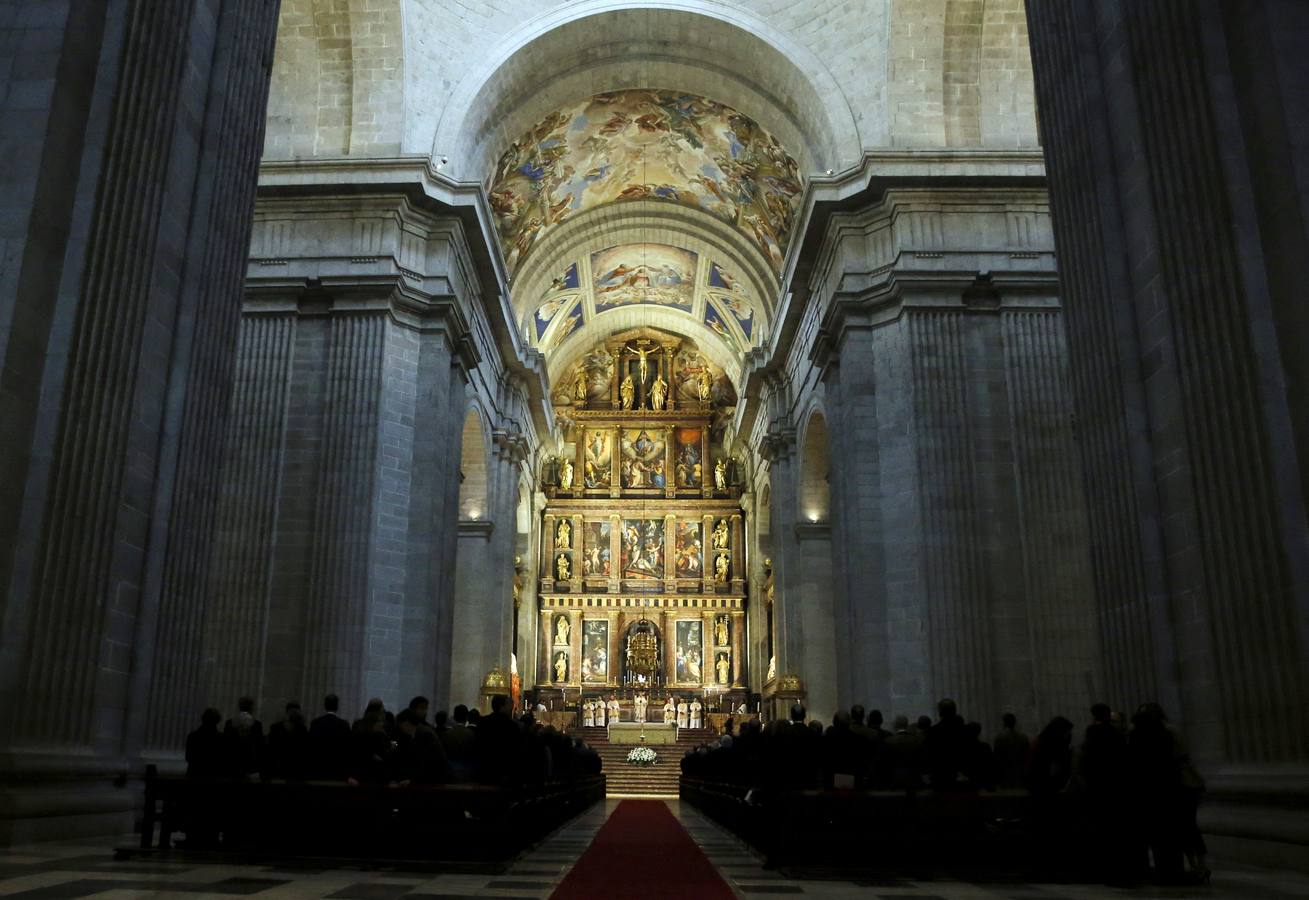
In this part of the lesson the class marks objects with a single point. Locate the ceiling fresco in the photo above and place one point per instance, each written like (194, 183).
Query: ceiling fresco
(646, 274)
(646, 145)
(643, 273)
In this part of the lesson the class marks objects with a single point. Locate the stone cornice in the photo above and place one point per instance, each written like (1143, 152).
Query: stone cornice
(861, 187)
(417, 179)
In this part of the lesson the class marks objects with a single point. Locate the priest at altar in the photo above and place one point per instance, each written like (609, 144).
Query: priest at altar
(614, 708)
(696, 709)
(683, 714)
(638, 707)
(670, 709)
(588, 714)
(599, 713)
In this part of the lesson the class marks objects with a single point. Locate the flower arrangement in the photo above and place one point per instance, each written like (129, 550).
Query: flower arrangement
(642, 756)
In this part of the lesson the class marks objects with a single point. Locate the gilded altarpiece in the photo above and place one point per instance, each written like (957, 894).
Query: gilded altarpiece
(652, 536)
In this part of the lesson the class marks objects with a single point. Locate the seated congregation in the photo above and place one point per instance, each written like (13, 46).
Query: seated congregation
(469, 786)
(1118, 805)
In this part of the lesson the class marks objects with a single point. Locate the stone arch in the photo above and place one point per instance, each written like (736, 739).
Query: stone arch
(815, 494)
(474, 449)
(704, 47)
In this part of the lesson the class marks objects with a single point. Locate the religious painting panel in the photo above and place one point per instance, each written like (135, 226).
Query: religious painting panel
(595, 549)
(731, 295)
(690, 652)
(595, 650)
(718, 325)
(690, 550)
(571, 323)
(642, 458)
(643, 548)
(699, 379)
(599, 462)
(546, 312)
(643, 273)
(687, 458)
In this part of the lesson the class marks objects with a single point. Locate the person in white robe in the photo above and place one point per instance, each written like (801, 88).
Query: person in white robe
(696, 709)
(670, 709)
(614, 709)
(588, 714)
(599, 713)
(638, 707)
(683, 714)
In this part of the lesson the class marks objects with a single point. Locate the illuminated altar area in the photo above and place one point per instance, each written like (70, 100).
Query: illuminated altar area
(642, 581)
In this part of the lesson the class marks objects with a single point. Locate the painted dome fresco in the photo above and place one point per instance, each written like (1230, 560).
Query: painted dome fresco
(646, 145)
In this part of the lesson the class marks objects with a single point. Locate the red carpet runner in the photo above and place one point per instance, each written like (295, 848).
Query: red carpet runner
(643, 852)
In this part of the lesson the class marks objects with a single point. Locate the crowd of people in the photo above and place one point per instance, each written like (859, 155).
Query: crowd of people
(1128, 789)
(383, 747)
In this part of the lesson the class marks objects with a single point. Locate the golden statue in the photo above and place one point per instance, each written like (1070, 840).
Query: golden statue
(628, 392)
(706, 385)
(643, 367)
(720, 536)
(561, 666)
(561, 630)
(579, 386)
(721, 565)
(566, 475)
(565, 535)
(562, 569)
(658, 393)
(720, 631)
(720, 474)
(724, 668)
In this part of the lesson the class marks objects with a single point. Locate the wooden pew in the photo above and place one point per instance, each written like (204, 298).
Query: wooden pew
(462, 822)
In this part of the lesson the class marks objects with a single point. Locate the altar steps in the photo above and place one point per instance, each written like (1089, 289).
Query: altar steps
(661, 779)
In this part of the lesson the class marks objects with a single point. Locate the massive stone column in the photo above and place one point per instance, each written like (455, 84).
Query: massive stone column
(131, 144)
(1175, 141)
(932, 342)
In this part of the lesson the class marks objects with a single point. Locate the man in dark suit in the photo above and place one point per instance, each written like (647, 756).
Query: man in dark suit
(458, 743)
(946, 747)
(499, 745)
(329, 742)
(288, 746)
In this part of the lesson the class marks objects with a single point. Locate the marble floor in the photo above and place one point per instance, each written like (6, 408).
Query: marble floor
(88, 869)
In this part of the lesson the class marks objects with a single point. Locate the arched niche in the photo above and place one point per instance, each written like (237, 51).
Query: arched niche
(815, 492)
(708, 48)
(473, 450)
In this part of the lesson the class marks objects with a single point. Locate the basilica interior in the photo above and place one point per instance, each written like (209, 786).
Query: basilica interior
(727, 352)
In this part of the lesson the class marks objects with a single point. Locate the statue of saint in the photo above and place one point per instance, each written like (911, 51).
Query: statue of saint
(658, 393)
(579, 386)
(566, 475)
(561, 666)
(561, 630)
(721, 565)
(720, 474)
(720, 536)
(564, 536)
(724, 667)
(627, 391)
(720, 631)
(772, 668)
(562, 569)
(706, 385)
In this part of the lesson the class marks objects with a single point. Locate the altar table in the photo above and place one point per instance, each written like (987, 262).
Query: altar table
(715, 720)
(630, 732)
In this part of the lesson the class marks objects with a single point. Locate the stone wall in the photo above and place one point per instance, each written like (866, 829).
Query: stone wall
(830, 78)
(134, 137)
